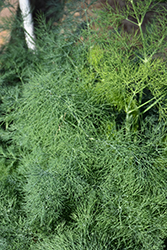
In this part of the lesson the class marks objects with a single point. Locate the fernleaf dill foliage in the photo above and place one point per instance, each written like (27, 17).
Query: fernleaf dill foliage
(83, 137)
(123, 69)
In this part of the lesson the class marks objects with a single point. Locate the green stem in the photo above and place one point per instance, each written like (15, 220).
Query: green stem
(140, 21)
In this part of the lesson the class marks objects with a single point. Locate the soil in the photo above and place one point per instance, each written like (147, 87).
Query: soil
(6, 14)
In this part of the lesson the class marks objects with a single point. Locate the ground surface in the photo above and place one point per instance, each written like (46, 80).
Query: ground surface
(7, 13)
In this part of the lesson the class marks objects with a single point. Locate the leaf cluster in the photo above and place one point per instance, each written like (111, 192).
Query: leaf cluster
(83, 142)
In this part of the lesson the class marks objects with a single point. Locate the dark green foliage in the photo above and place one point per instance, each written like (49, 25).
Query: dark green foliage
(13, 232)
(73, 175)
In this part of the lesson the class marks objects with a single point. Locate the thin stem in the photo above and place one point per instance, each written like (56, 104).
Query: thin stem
(140, 21)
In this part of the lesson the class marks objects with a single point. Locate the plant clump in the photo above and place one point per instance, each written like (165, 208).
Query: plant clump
(83, 140)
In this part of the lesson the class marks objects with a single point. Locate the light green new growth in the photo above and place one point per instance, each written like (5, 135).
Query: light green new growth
(122, 75)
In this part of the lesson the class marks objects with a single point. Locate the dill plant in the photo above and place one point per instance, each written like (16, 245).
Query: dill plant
(87, 176)
(127, 71)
